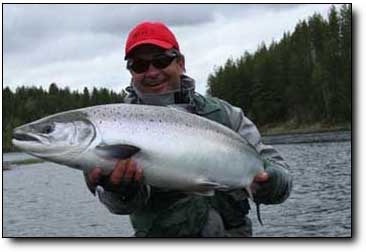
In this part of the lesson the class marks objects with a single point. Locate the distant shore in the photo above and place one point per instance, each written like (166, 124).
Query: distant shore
(287, 133)
(291, 128)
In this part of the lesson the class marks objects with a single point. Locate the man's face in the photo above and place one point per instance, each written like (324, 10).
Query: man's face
(157, 70)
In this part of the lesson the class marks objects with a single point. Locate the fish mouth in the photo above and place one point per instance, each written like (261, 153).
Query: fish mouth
(25, 137)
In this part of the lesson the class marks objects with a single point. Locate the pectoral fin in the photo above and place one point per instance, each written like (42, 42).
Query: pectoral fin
(117, 151)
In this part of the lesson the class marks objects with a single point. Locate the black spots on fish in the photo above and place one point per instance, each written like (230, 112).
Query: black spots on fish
(160, 121)
(188, 125)
(151, 120)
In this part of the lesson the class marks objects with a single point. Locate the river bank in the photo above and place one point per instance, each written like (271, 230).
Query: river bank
(289, 133)
(291, 127)
(307, 137)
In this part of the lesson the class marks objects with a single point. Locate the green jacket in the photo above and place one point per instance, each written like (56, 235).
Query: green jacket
(155, 212)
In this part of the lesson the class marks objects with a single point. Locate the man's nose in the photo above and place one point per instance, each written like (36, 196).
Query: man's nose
(152, 71)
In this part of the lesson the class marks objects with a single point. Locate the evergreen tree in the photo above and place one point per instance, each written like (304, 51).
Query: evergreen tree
(306, 77)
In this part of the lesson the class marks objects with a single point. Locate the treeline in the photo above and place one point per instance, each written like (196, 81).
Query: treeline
(304, 78)
(27, 104)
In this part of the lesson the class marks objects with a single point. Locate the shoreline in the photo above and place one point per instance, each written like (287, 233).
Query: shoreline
(290, 127)
(308, 137)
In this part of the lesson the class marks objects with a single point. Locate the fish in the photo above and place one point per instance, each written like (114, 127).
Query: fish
(178, 150)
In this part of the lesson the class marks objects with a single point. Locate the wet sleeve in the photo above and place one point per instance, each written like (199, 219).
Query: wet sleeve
(124, 202)
(279, 186)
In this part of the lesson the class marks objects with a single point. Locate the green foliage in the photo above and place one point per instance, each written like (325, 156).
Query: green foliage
(304, 78)
(27, 104)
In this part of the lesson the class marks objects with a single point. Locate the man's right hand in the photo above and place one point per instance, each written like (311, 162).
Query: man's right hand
(125, 175)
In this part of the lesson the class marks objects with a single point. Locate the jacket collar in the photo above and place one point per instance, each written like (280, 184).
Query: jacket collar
(193, 101)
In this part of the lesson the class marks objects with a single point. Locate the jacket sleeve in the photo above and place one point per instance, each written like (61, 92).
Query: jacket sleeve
(279, 186)
(123, 202)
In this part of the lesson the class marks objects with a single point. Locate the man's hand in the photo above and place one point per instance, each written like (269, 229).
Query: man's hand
(125, 173)
(259, 186)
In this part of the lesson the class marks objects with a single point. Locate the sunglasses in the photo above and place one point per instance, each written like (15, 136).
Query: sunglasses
(161, 61)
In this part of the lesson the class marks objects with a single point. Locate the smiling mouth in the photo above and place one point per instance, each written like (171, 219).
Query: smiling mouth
(153, 84)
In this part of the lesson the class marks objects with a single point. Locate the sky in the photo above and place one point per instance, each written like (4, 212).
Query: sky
(78, 45)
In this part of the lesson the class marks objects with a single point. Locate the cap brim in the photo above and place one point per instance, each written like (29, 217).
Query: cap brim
(156, 42)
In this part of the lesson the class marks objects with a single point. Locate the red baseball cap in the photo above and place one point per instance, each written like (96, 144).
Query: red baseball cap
(155, 33)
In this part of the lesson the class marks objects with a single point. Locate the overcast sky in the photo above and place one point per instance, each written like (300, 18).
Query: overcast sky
(83, 45)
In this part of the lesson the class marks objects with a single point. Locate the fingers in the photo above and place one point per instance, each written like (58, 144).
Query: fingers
(94, 176)
(126, 171)
(130, 170)
(261, 177)
(118, 172)
(259, 180)
(139, 173)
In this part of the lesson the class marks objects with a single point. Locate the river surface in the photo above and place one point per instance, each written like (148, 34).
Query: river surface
(50, 200)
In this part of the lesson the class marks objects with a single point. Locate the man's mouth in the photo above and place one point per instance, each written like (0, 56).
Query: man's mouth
(155, 86)
(153, 83)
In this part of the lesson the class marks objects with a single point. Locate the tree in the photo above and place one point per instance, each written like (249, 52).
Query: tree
(85, 99)
(305, 77)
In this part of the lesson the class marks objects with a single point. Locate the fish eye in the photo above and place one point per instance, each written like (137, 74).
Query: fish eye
(47, 129)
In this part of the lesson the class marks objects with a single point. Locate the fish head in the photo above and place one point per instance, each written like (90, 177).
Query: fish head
(55, 137)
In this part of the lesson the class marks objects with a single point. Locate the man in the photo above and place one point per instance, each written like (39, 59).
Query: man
(157, 68)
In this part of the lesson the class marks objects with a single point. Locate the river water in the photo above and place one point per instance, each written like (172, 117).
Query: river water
(50, 200)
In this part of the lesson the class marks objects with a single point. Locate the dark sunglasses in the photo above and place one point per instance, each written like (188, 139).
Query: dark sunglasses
(161, 61)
